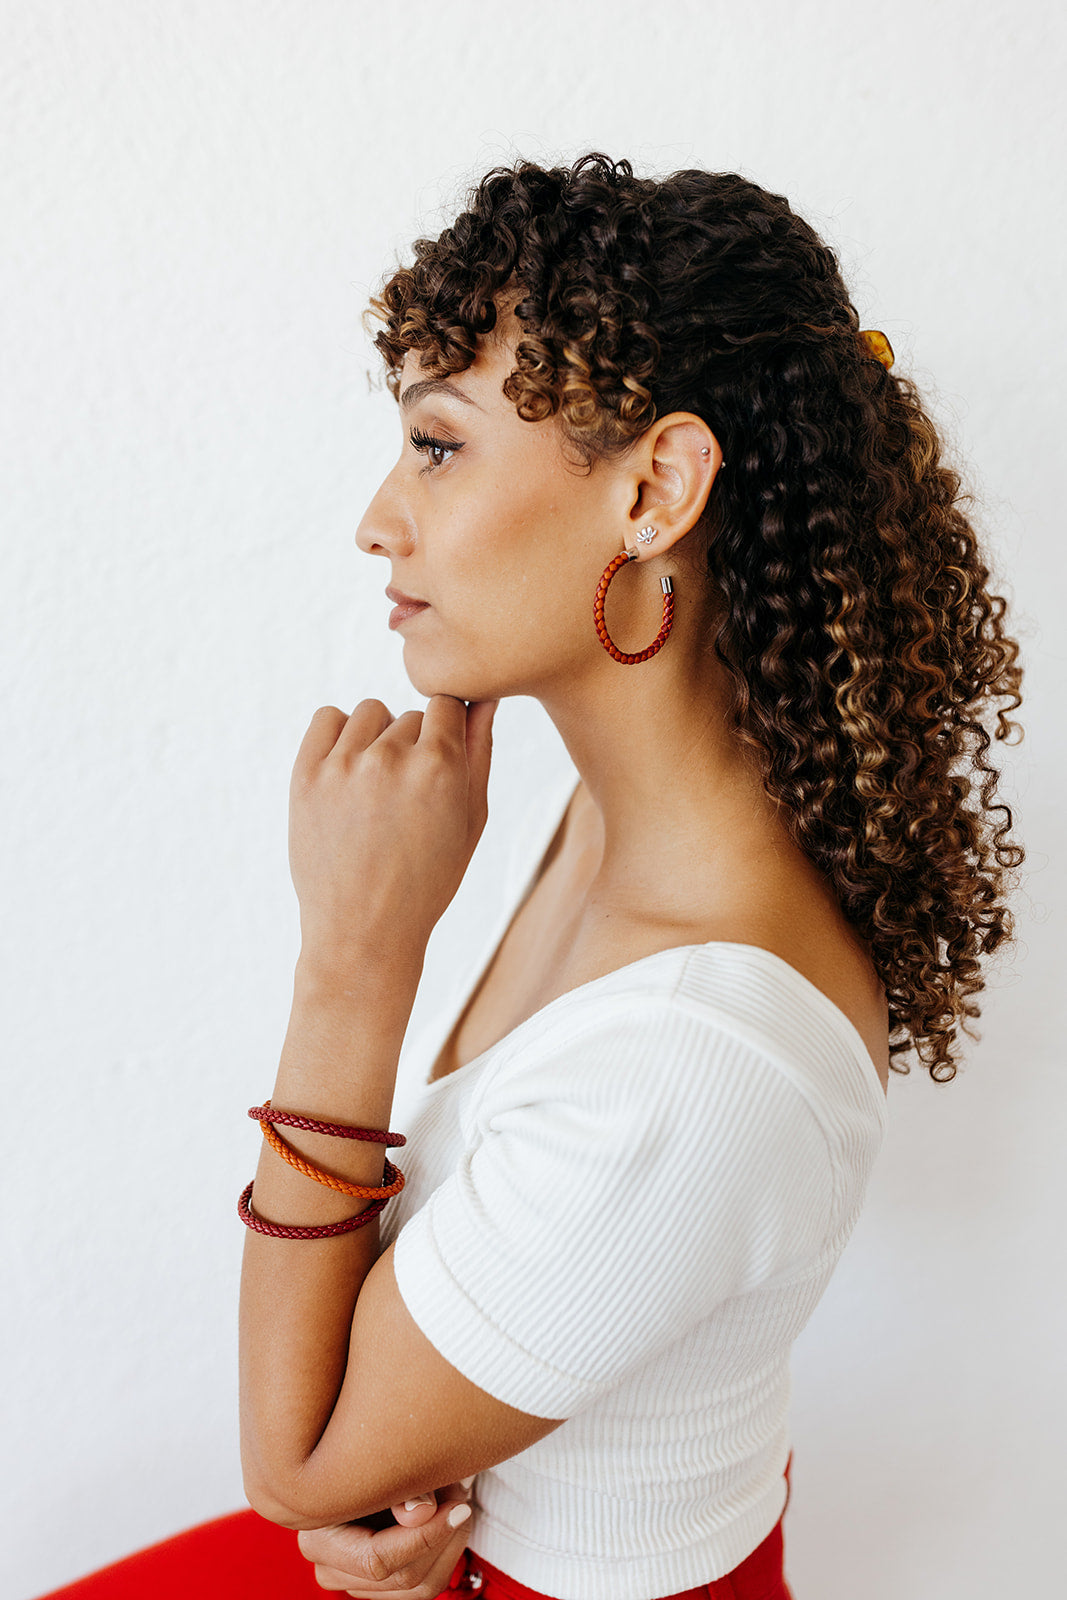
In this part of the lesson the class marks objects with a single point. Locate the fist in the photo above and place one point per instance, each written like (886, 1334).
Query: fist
(411, 1560)
(384, 816)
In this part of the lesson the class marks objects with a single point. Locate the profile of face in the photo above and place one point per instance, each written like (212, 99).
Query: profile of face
(496, 523)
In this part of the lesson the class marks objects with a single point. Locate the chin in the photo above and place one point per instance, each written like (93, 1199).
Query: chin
(430, 683)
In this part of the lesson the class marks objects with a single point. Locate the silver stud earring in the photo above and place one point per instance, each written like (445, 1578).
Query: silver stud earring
(706, 451)
(647, 535)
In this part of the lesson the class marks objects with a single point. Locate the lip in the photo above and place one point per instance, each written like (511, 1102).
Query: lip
(406, 607)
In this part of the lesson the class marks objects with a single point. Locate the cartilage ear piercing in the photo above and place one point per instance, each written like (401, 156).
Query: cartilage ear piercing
(706, 451)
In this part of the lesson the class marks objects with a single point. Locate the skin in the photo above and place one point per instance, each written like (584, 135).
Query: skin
(507, 539)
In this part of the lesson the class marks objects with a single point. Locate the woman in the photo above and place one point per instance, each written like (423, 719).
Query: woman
(634, 1161)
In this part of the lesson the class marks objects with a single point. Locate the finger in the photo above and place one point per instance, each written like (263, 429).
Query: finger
(361, 1555)
(444, 721)
(407, 728)
(415, 1513)
(321, 736)
(330, 1578)
(368, 722)
(480, 717)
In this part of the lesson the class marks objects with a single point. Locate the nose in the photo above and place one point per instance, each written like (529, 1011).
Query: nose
(386, 528)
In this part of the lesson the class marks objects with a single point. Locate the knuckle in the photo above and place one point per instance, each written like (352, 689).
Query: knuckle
(378, 1570)
(437, 748)
(381, 757)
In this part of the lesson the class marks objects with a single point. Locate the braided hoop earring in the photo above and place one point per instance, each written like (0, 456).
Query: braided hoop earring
(598, 606)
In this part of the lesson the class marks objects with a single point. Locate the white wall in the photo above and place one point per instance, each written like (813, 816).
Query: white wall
(195, 197)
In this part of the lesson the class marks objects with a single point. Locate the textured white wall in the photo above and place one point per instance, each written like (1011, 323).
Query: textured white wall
(195, 197)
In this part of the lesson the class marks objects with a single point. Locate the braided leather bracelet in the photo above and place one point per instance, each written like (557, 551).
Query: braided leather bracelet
(278, 1230)
(336, 1130)
(392, 1178)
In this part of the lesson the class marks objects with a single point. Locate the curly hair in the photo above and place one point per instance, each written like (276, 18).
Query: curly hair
(856, 619)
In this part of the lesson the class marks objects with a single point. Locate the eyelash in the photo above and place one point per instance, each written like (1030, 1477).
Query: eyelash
(427, 442)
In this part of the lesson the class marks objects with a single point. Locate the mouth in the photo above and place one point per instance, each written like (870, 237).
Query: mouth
(406, 608)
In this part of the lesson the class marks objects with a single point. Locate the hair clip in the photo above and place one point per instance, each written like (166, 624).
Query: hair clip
(877, 345)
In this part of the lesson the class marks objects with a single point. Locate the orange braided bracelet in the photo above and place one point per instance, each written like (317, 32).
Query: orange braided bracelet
(392, 1178)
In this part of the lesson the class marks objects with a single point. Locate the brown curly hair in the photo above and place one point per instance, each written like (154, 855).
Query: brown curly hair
(857, 622)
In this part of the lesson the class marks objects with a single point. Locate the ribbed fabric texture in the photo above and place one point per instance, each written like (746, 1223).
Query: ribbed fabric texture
(623, 1214)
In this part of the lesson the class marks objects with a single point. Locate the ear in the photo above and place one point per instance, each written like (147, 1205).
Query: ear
(668, 479)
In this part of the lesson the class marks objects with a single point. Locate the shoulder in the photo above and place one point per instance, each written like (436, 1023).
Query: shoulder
(701, 1048)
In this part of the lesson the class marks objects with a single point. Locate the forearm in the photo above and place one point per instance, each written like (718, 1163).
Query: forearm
(338, 1063)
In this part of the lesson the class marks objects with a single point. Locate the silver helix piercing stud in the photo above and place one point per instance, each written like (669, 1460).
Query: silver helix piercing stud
(706, 451)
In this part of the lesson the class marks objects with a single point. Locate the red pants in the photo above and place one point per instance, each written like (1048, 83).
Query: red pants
(244, 1557)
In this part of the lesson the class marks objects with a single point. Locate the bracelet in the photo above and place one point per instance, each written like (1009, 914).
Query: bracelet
(336, 1130)
(393, 1179)
(278, 1231)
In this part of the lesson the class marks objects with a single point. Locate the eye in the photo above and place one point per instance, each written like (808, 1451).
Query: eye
(428, 445)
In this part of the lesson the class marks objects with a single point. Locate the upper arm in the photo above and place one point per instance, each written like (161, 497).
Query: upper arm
(628, 1178)
(406, 1419)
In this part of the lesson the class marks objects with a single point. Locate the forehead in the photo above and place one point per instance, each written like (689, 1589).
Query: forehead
(478, 387)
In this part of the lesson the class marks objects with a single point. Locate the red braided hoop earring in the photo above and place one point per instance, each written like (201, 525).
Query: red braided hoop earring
(598, 608)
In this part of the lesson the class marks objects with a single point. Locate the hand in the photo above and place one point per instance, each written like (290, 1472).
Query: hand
(384, 816)
(411, 1560)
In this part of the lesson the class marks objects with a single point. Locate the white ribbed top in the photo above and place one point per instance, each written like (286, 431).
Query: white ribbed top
(623, 1214)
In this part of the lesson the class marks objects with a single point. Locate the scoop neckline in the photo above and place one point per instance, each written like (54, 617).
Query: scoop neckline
(833, 1013)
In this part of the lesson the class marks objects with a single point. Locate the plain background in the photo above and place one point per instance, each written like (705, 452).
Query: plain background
(196, 197)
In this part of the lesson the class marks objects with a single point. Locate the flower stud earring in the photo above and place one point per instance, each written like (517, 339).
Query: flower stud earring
(647, 535)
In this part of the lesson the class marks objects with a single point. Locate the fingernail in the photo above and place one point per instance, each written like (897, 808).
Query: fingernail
(466, 1482)
(423, 1500)
(457, 1515)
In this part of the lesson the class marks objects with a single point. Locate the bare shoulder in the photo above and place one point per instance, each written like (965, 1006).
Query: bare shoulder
(818, 942)
(764, 892)
(834, 960)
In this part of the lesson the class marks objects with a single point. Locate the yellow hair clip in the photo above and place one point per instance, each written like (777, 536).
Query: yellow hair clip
(878, 345)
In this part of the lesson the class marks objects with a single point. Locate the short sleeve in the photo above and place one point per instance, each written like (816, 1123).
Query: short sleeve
(621, 1180)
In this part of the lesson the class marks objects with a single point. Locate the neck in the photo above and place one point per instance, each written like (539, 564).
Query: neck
(669, 796)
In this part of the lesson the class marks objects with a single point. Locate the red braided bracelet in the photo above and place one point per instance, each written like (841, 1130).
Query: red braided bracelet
(278, 1231)
(336, 1130)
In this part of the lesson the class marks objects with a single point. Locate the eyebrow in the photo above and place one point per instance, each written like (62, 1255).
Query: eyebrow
(415, 391)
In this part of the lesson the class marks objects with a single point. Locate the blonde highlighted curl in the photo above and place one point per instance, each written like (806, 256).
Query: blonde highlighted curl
(856, 620)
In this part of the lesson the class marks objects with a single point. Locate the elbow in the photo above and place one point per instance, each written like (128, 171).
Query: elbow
(265, 1502)
(298, 1505)
(272, 1496)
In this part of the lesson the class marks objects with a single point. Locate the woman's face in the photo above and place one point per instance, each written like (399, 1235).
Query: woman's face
(498, 529)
